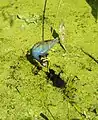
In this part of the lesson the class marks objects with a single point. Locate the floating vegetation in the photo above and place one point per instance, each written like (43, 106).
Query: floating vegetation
(63, 85)
(93, 58)
(35, 19)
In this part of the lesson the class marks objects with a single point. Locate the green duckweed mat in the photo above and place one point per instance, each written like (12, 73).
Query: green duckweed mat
(28, 96)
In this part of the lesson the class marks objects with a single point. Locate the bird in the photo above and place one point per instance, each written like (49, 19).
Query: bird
(41, 49)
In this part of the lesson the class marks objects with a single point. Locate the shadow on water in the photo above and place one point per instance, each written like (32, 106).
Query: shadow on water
(44, 116)
(34, 62)
(94, 5)
(55, 78)
(54, 33)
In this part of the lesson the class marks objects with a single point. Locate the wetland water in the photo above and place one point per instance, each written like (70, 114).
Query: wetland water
(69, 90)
